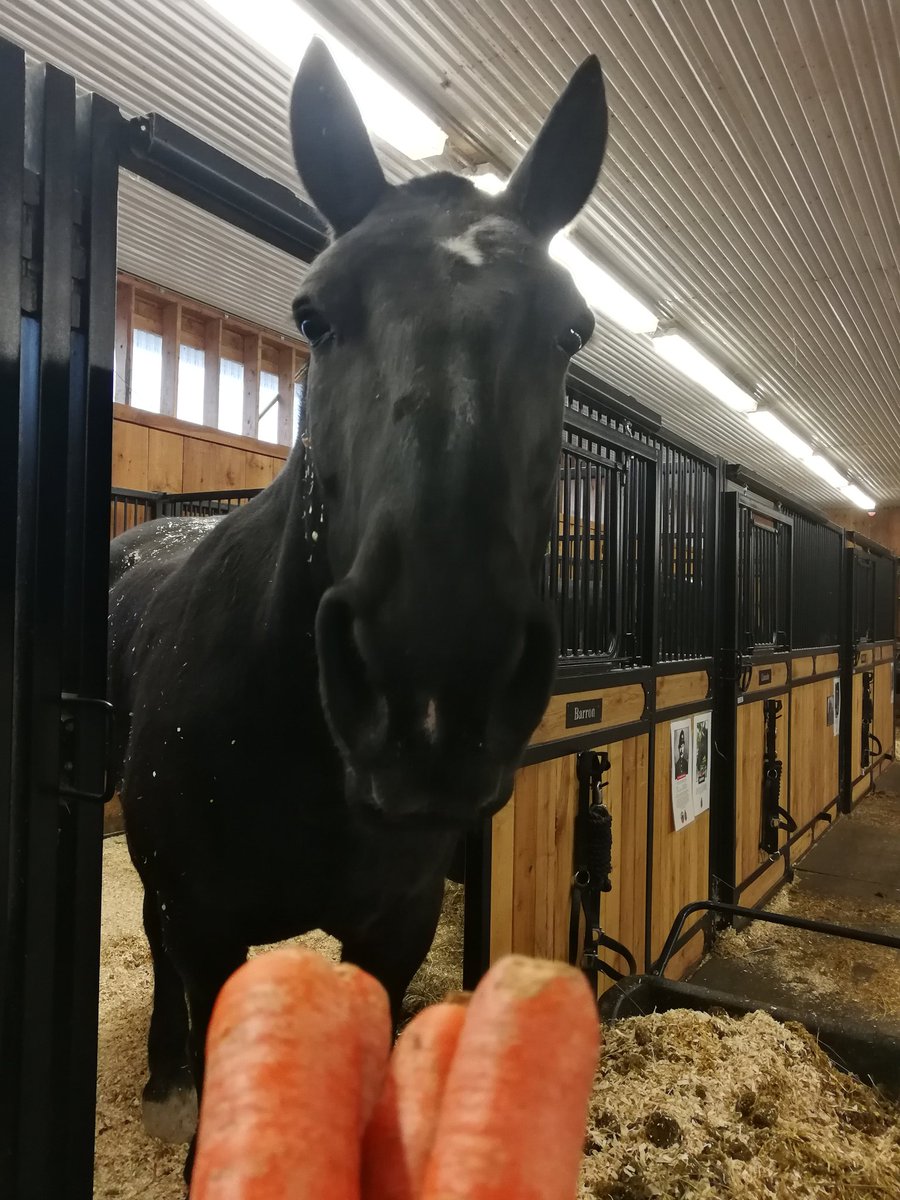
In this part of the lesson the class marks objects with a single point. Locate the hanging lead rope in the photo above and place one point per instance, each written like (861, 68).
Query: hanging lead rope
(774, 817)
(593, 859)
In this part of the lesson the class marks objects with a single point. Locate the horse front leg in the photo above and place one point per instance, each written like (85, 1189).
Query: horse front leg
(205, 960)
(394, 946)
(169, 1101)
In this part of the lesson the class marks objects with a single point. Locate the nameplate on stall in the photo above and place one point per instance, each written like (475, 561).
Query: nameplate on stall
(584, 712)
(765, 677)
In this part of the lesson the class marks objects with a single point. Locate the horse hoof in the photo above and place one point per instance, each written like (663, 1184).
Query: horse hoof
(171, 1117)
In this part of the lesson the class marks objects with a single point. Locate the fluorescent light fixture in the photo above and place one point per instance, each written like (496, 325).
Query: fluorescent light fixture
(284, 30)
(776, 431)
(858, 497)
(601, 291)
(687, 358)
(822, 467)
(488, 181)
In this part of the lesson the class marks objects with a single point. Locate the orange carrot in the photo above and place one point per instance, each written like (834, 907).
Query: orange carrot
(282, 1108)
(400, 1134)
(374, 1027)
(513, 1115)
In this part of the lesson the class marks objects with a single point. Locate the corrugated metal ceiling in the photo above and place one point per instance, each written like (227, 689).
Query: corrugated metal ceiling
(750, 190)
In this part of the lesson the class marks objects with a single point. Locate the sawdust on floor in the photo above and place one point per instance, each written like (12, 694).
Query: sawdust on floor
(692, 1106)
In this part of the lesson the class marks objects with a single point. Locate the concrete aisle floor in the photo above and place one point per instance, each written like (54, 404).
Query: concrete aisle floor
(851, 877)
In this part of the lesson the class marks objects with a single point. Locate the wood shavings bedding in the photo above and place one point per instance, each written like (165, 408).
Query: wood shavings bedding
(691, 1106)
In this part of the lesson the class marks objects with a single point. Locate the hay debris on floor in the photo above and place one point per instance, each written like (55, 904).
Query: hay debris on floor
(690, 1106)
(851, 976)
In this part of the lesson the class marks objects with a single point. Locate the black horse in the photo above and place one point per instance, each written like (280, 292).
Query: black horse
(316, 697)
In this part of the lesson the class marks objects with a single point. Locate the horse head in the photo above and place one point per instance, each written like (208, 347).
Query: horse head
(440, 332)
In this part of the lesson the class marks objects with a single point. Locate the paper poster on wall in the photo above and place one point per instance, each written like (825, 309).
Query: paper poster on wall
(836, 706)
(829, 710)
(682, 800)
(700, 756)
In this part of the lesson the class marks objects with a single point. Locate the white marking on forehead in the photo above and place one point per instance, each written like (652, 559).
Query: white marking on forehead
(465, 245)
(430, 722)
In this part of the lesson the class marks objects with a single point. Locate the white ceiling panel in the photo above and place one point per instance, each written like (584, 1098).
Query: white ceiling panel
(751, 190)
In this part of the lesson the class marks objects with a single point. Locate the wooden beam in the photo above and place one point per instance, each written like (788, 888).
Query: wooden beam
(170, 354)
(212, 366)
(124, 341)
(287, 369)
(252, 352)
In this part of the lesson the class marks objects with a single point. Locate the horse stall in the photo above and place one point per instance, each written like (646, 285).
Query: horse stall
(869, 668)
(779, 709)
(586, 862)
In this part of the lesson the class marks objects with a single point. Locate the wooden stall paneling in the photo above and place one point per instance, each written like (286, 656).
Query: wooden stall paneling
(680, 861)
(130, 455)
(157, 453)
(827, 662)
(622, 911)
(814, 774)
(767, 676)
(621, 706)
(165, 462)
(532, 856)
(531, 868)
(748, 796)
(673, 690)
(209, 466)
(883, 727)
(802, 668)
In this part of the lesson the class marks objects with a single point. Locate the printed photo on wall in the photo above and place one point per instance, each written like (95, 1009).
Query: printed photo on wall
(829, 710)
(836, 706)
(682, 799)
(700, 757)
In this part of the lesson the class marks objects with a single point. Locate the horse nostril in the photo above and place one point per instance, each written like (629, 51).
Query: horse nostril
(356, 712)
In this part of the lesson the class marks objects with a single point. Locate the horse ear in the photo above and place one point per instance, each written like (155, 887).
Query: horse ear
(334, 156)
(556, 176)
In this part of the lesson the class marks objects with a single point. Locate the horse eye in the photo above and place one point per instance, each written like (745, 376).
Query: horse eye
(570, 342)
(315, 329)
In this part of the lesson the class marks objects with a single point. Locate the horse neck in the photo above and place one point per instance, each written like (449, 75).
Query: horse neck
(301, 574)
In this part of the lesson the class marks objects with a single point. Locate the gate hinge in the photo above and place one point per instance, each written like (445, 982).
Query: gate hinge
(83, 748)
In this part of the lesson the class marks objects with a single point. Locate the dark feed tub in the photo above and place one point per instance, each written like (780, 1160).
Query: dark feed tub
(871, 1055)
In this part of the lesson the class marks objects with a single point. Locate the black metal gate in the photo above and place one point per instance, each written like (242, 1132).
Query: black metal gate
(58, 180)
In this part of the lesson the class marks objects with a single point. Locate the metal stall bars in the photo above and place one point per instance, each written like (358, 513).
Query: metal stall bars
(868, 666)
(782, 578)
(58, 179)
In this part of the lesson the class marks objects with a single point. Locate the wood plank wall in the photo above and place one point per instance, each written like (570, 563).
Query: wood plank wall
(814, 777)
(532, 856)
(749, 754)
(156, 453)
(680, 861)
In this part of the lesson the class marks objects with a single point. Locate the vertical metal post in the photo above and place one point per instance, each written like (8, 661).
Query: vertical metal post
(722, 813)
(57, 335)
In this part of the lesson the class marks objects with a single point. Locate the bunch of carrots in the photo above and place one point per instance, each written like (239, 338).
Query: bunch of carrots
(483, 1098)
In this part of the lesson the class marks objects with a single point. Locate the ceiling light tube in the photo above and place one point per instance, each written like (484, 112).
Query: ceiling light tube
(678, 351)
(858, 497)
(822, 467)
(777, 432)
(282, 29)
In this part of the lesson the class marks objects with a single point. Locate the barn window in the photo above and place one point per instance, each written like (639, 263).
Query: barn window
(231, 396)
(268, 407)
(190, 384)
(146, 370)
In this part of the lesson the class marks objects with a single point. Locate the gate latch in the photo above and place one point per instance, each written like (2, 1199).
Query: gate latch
(83, 748)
